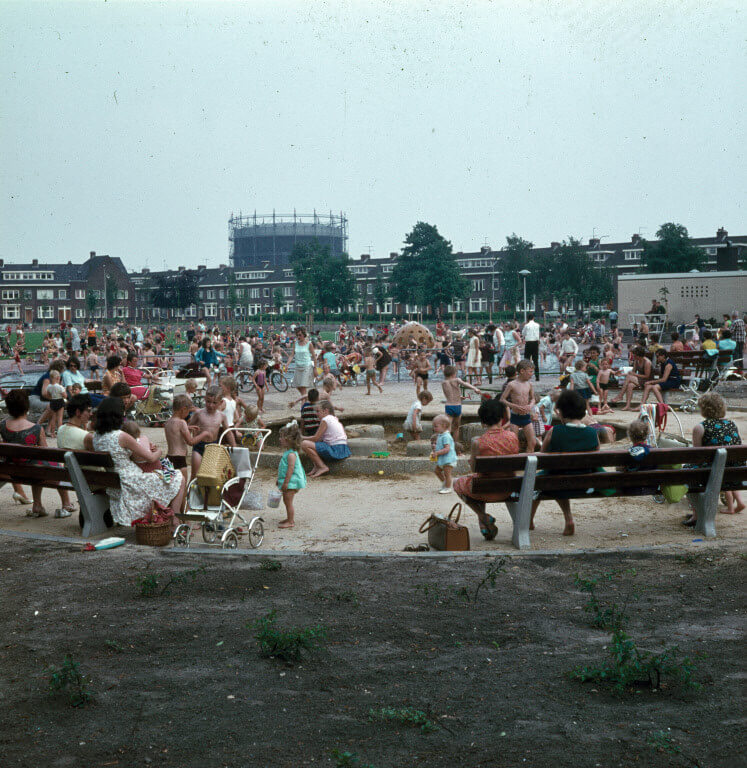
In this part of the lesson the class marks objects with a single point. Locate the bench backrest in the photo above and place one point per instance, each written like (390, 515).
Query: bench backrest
(580, 471)
(30, 471)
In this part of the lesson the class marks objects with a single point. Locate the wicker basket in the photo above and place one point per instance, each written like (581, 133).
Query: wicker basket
(215, 469)
(153, 534)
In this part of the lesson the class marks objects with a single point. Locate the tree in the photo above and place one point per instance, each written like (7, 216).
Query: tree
(571, 273)
(426, 272)
(379, 294)
(277, 299)
(515, 257)
(323, 281)
(176, 291)
(674, 251)
(92, 301)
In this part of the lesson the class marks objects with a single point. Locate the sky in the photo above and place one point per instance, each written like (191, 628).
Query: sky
(137, 128)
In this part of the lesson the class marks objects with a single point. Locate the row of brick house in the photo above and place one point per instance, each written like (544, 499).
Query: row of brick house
(43, 294)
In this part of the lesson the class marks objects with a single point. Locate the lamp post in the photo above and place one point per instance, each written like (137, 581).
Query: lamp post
(525, 274)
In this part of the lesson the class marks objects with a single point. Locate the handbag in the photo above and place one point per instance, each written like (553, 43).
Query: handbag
(445, 533)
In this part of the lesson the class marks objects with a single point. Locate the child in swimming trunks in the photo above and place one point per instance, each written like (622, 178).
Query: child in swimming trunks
(369, 361)
(518, 397)
(420, 371)
(453, 394)
(179, 436)
(604, 381)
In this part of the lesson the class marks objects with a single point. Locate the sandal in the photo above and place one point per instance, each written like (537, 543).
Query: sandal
(490, 531)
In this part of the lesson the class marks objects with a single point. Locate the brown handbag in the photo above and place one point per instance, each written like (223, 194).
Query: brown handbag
(445, 533)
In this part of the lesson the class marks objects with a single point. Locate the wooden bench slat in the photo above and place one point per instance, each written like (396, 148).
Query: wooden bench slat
(36, 453)
(486, 465)
(50, 477)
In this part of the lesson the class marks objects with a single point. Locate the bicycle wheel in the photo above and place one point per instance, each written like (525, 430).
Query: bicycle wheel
(245, 382)
(279, 381)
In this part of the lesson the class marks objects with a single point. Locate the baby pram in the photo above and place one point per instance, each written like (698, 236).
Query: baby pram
(218, 505)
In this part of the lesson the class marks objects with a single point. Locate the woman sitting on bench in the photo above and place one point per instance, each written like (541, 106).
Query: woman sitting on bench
(497, 440)
(669, 378)
(570, 435)
(18, 429)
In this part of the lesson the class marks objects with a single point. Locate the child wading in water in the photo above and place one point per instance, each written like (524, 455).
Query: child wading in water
(444, 452)
(291, 475)
(518, 397)
(453, 394)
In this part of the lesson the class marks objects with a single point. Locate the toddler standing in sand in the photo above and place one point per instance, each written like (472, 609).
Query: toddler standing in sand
(412, 422)
(444, 451)
(291, 475)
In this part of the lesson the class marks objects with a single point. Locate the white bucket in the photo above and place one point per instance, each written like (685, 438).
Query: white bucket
(273, 498)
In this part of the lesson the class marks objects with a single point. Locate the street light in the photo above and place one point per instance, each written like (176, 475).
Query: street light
(525, 274)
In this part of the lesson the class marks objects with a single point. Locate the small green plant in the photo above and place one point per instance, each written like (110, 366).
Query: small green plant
(630, 666)
(663, 741)
(270, 565)
(286, 644)
(67, 678)
(113, 645)
(150, 582)
(604, 617)
(345, 596)
(413, 718)
(492, 572)
(348, 760)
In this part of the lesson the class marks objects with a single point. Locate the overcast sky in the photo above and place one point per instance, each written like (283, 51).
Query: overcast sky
(136, 129)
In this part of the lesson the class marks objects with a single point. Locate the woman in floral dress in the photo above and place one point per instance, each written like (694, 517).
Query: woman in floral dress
(716, 429)
(138, 489)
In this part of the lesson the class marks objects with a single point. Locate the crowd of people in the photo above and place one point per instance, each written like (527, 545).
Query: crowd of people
(95, 375)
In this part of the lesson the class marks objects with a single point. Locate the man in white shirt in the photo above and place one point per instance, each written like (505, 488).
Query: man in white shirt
(531, 335)
(246, 357)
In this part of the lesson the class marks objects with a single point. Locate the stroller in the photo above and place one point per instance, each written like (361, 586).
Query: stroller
(655, 416)
(706, 377)
(157, 407)
(216, 497)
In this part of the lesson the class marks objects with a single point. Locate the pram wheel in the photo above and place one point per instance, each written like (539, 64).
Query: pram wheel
(256, 533)
(230, 540)
(182, 535)
(209, 534)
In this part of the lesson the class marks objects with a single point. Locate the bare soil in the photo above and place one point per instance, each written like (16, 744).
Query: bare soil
(177, 679)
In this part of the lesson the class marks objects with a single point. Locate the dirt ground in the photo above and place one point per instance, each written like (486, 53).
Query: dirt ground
(177, 680)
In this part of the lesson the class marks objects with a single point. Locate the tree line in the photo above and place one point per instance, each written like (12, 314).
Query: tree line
(426, 274)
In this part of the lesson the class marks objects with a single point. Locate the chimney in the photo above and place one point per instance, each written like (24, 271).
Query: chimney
(145, 271)
(594, 242)
(181, 269)
(393, 255)
(2, 262)
(93, 253)
(485, 250)
(721, 234)
(201, 267)
(365, 257)
(635, 239)
(554, 245)
(69, 262)
(35, 263)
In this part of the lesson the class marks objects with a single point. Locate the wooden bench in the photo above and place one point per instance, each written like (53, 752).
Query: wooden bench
(87, 473)
(576, 473)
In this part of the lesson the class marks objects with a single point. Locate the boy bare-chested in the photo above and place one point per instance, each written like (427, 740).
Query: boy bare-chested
(451, 387)
(179, 436)
(518, 397)
(211, 421)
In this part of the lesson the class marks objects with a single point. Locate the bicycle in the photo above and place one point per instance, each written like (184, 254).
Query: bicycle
(278, 379)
